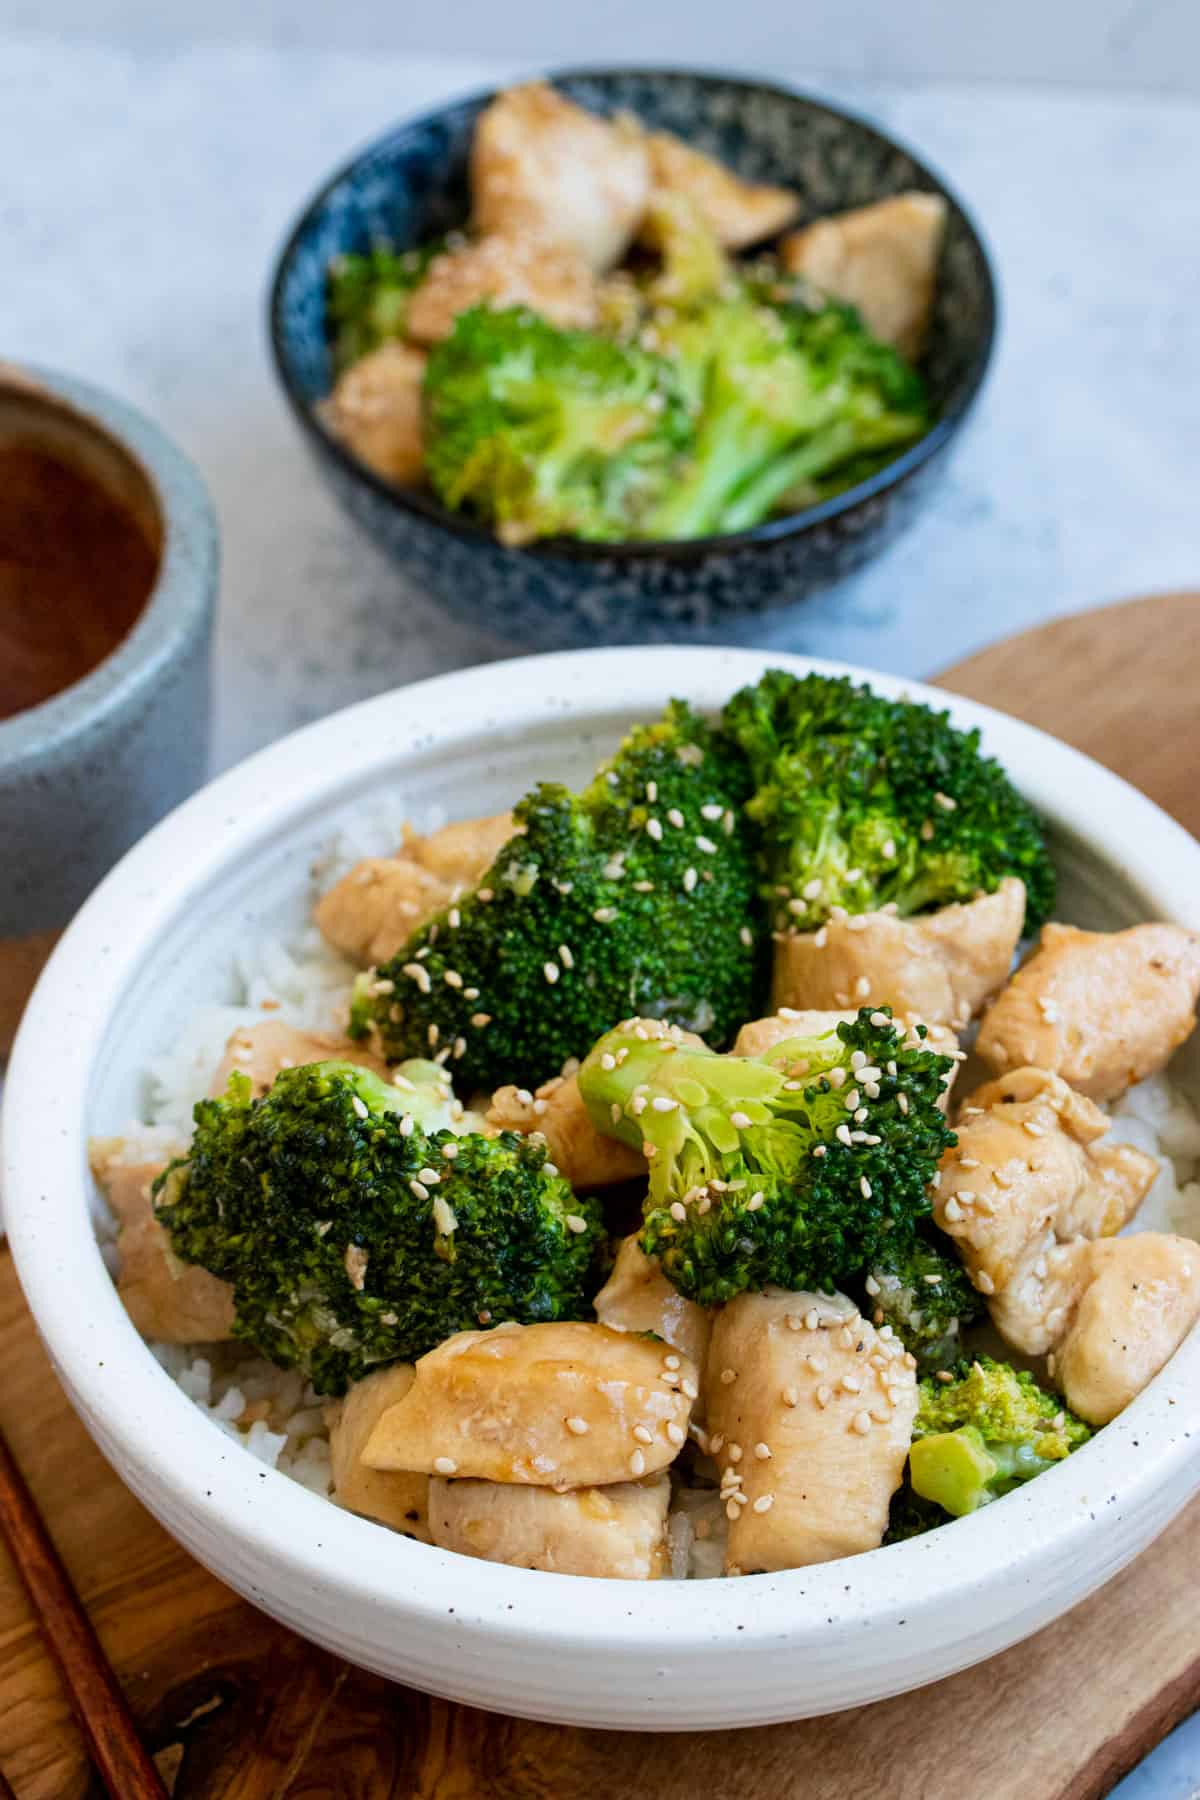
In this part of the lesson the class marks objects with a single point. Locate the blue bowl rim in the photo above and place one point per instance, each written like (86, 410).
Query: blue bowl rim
(634, 550)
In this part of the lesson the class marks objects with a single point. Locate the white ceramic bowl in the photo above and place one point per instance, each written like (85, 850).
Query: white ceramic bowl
(155, 938)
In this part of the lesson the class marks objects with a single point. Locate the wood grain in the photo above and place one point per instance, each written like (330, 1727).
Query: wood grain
(96, 1697)
(237, 1708)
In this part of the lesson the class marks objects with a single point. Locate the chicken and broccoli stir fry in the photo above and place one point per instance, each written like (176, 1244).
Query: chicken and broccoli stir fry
(591, 358)
(644, 1181)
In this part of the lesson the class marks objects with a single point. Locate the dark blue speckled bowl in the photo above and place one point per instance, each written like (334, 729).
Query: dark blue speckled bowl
(411, 184)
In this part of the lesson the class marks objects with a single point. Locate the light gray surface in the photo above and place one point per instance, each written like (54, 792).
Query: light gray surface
(152, 186)
(1136, 44)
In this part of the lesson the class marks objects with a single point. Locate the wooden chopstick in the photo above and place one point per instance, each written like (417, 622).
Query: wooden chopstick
(92, 1688)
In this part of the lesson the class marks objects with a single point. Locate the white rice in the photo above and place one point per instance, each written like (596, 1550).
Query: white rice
(271, 1412)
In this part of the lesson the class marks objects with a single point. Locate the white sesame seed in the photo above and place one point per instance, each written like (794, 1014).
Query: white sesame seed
(675, 1433)
(889, 848)
(690, 878)
(716, 1444)
(406, 1125)
(1033, 1129)
(851, 1383)
(763, 1452)
(637, 1463)
(663, 1103)
(430, 1176)
(604, 915)
(419, 1189)
(790, 1397)
(445, 1465)
(728, 1377)
(706, 845)
(739, 1120)
(862, 987)
(984, 1282)
(678, 1211)
(745, 936)
(675, 818)
(575, 1223)
(551, 971)
(862, 1422)
(689, 1390)
(643, 1434)
(755, 1201)
(731, 1510)
(945, 802)
(821, 938)
(579, 1427)
(872, 1286)
(654, 830)
(735, 1453)
(823, 1396)
(864, 1188)
(952, 1210)
(812, 1319)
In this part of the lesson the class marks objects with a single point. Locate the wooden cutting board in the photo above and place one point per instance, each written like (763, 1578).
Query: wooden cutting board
(239, 1708)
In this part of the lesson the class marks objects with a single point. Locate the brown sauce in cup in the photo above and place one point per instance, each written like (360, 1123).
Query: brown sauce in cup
(76, 569)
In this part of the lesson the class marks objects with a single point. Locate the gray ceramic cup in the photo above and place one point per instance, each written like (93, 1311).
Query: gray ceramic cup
(87, 772)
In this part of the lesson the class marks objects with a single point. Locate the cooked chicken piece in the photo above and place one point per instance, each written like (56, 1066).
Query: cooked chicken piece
(618, 1531)
(738, 212)
(584, 1155)
(551, 1405)
(261, 1051)
(1141, 1300)
(761, 1035)
(552, 279)
(171, 1301)
(462, 852)
(1102, 1008)
(882, 258)
(375, 408)
(543, 167)
(399, 1499)
(939, 966)
(638, 1297)
(1027, 1175)
(374, 909)
(810, 1413)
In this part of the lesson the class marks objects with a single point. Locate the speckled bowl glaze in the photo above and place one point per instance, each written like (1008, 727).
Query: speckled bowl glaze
(411, 184)
(86, 773)
(156, 940)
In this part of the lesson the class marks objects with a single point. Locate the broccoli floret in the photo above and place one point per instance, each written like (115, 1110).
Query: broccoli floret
(636, 893)
(546, 432)
(368, 298)
(984, 1433)
(923, 1292)
(353, 1236)
(866, 802)
(785, 397)
(910, 1516)
(694, 266)
(797, 1167)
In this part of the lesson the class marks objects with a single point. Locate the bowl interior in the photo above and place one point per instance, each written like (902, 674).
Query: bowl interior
(412, 184)
(268, 894)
